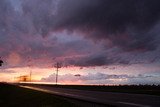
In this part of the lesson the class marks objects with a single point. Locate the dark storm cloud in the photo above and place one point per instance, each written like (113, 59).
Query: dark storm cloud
(5, 10)
(90, 60)
(108, 29)
(41, 13)
(126, 23)
(97, 60)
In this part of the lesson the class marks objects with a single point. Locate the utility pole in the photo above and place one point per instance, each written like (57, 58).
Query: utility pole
(30, 75)
(29, 66)
(57, 66)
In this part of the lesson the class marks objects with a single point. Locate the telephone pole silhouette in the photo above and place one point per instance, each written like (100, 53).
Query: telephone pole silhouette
(30, 69)
(57, 66)
(30, 74)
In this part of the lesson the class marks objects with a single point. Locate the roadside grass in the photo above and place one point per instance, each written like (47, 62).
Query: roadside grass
(133, 89)
(14, 96)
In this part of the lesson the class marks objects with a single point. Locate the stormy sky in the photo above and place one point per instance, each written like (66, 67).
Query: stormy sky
(88, 34)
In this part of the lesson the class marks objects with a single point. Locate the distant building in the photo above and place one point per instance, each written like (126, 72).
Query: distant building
(24, 78)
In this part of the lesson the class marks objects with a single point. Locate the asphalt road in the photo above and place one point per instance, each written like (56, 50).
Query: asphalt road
(116, 99)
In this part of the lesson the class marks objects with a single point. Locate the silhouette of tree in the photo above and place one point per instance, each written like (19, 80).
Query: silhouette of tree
(1, 62)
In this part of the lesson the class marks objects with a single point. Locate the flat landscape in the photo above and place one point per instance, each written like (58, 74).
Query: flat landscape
(41, 95)
(134, 89)
(119, 96)
(13, 96)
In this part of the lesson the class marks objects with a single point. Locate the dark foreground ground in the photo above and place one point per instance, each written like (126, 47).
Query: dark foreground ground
(133, 89)
(13, 96)
(117, 98)
(16, 96)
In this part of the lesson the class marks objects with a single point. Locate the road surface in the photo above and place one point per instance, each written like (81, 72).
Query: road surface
(116, 99)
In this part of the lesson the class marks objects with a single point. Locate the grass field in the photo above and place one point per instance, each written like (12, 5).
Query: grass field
(134, 89)
(13, 96)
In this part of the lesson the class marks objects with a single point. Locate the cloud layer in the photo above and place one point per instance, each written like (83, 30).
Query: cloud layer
(102, 78)
(79, 32)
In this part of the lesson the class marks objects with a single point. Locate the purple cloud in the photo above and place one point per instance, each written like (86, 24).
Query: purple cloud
(81, 33)
(102, 78)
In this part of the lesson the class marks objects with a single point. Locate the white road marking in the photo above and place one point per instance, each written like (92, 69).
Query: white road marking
(134, 104)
